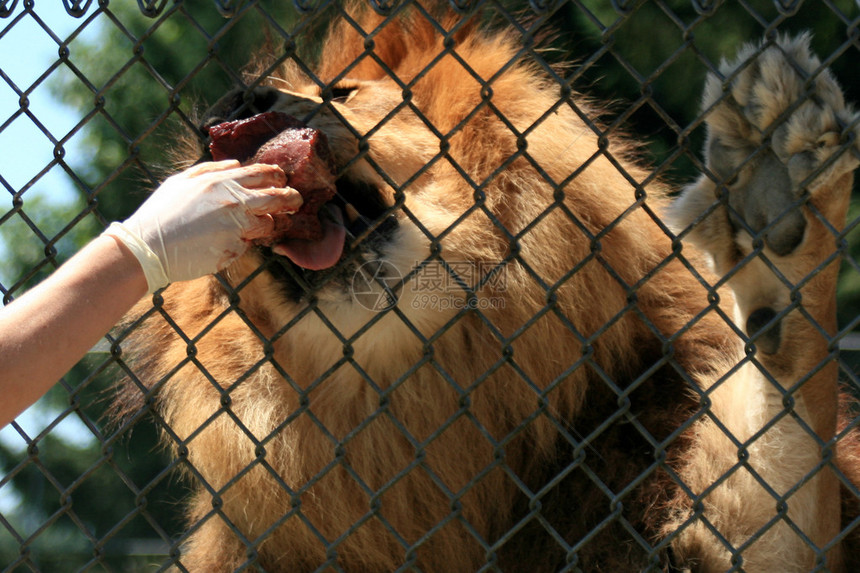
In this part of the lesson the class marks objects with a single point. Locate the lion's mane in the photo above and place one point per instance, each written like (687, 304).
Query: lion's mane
(556, 421)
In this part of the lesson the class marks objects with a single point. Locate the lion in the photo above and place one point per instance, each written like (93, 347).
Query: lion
(517, 364)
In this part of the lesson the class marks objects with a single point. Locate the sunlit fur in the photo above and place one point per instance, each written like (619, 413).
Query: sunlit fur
(420, 440)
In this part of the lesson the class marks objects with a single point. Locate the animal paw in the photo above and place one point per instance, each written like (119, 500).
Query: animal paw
(780, 148)
(779, 132)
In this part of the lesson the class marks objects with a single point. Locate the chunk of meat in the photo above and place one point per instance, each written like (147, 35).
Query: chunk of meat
(240, 139)
(302, 152)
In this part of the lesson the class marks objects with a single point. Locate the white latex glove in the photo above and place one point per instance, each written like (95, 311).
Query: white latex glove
(200, 220)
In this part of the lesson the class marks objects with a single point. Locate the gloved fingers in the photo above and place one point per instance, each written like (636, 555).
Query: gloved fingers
(280, 201)
(202, 218)
(258, 176)
(254, 176)
(259, 227)
(210, 167)
(261, 204)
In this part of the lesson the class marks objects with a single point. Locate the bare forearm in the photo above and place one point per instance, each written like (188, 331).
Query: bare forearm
(47, 330)
(194, 224)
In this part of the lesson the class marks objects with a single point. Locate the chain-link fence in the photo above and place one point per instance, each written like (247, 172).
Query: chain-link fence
(467, 450)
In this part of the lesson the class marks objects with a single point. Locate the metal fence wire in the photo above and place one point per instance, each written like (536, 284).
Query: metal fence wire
(525, 394)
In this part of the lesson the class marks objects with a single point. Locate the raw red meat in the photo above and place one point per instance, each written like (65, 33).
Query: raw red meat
(301, 151)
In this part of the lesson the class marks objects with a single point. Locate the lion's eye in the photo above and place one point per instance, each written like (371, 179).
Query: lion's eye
(341, 93)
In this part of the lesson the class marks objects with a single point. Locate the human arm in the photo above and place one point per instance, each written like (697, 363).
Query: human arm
(46, 331)
(194, 224)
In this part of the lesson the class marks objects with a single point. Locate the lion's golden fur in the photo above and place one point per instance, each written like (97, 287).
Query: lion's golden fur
(326, 433)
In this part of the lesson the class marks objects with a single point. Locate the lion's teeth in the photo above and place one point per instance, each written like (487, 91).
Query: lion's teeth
(351, 213)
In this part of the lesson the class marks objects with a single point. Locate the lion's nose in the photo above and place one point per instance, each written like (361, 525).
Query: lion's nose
(239, 104)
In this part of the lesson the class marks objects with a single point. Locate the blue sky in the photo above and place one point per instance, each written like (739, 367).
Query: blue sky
(26, 51)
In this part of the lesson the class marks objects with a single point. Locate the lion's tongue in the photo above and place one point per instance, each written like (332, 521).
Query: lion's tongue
(322, 253)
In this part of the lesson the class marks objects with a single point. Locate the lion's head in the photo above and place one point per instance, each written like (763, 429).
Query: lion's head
(502, 260)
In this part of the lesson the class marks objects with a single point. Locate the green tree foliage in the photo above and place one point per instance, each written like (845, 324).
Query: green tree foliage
(87, 493)
(654, 56)
(145, 80)
(105, 501)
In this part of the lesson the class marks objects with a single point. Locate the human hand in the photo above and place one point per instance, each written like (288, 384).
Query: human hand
(201, 219)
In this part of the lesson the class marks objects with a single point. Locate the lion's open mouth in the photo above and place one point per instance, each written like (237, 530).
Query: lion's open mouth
(315, 238)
